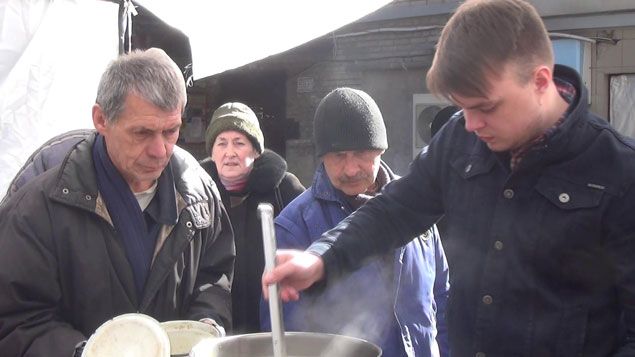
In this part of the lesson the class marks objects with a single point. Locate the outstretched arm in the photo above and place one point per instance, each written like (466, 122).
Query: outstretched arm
(406, 208)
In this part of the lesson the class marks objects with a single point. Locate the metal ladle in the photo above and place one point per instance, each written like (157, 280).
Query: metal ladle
(265, 211)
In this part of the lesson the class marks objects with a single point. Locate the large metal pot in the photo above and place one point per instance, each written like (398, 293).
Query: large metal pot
(298, 344)
(289, 344)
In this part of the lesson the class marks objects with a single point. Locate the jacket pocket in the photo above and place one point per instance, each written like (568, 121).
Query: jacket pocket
(569, 235)
(572, 332)
(469, 166)
(567, 195)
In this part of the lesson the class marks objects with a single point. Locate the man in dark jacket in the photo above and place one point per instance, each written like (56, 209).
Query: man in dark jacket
(538, 196)
(127, 223)
(396, 300)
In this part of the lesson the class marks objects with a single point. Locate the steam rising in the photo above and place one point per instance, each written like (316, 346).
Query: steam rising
(358, 305)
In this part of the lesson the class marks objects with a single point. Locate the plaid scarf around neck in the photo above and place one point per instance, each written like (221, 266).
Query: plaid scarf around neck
(568, 92)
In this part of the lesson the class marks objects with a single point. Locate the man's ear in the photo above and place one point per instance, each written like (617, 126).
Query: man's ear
(99, 119)
(543, 76)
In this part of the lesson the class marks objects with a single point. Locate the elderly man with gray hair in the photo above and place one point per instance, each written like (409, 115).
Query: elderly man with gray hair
(128, 222)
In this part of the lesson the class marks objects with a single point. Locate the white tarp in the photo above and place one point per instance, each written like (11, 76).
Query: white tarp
(228, 34)
(52, 54)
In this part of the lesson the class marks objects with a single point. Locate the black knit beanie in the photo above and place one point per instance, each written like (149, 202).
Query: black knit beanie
(348, 119)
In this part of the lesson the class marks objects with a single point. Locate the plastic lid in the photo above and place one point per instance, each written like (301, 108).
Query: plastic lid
(136, 335)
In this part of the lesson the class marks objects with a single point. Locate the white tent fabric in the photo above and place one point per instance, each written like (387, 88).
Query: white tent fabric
(52, 54)
(228, 34)
(20, 20)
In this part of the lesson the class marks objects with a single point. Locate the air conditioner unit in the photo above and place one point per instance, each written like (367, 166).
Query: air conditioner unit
(424, 108)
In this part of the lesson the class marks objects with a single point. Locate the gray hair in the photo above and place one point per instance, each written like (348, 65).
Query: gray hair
(150, 74)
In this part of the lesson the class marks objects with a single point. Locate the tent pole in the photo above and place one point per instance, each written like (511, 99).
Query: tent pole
(122, 18)
(126, 12)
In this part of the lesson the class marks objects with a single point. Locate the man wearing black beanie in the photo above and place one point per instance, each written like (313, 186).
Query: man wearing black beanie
(348, 119)
(396, 300)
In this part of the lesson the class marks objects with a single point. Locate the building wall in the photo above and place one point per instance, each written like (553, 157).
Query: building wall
(388, 55)
(609, 58)
(386, 59)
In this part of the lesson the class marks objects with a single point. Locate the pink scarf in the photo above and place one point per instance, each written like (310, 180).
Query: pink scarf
(236, 184)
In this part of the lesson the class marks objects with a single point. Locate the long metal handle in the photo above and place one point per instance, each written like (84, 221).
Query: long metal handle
(265, 211)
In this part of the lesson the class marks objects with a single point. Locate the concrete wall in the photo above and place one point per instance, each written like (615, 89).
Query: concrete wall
(609, 58)
(393, 92)
(388, 53)
(387, 63)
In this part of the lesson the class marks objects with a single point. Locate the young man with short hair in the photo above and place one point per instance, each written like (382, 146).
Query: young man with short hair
(537, 194)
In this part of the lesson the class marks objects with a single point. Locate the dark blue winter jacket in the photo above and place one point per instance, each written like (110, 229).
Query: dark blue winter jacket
(542, 259)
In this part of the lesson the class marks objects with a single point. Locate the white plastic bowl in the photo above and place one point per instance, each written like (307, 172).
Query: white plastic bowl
(184, 334)
(128, 335)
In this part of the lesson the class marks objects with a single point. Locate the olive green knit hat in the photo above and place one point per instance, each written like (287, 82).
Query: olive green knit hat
(234, 116)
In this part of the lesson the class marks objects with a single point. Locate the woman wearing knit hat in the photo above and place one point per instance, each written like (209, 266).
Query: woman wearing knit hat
(246, 174)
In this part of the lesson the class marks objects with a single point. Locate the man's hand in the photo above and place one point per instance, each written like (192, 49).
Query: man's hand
(295, 271)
